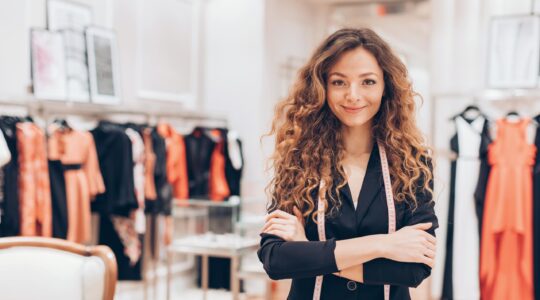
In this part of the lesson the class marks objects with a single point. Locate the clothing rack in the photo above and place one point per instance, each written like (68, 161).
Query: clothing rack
(50, 108)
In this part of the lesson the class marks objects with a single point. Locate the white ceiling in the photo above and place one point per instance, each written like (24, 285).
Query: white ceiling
(349, 2)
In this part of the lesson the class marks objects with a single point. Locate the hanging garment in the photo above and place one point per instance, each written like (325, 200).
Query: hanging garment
(5, 154)
(149, 166)
(485, 168)
(506, 267)
(162, 205)
(76, 151)
(119, 201)
(116, 163)
(129, 228)
(9, 204)
(199, 149)
(127, 270)
(59, 199)
(138, 177)
(34, 186)
(163, 202)
(218, 187)
(461, 281)
(234, 162)
(536, 214)
(176, 161)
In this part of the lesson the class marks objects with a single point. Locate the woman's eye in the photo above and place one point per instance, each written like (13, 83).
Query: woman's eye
(338, 83)
(369, 82)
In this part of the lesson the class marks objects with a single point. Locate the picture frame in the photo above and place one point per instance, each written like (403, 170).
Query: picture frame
(71, 19)
(102, 65)
(514, 52)
(63, 14)
(48, 66)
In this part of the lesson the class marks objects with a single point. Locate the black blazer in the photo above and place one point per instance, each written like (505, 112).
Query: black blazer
(302, 261)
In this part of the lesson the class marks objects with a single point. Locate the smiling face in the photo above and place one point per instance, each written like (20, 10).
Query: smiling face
(355, 87)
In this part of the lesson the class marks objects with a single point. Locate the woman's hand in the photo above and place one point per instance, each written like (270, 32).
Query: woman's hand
(286, 226)
(411, 244)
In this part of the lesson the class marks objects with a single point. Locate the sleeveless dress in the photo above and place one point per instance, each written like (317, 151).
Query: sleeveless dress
(506, 255)
(461, 281)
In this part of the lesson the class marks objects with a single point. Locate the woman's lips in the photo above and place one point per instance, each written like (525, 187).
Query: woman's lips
(351, 109)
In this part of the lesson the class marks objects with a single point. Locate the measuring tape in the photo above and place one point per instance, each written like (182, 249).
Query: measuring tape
(391, 218)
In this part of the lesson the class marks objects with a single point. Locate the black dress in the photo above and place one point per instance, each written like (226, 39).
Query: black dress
(58, 199)
(10, 221)
(536, 214)
(162, 205)
(199, 149)
(302, 261)
(115, 157)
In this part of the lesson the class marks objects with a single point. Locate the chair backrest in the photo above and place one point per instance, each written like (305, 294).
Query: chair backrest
(49, 268)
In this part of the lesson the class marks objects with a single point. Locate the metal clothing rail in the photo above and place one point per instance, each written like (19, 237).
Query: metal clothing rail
(49, 108)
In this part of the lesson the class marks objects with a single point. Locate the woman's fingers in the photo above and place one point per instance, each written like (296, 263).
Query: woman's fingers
(276, 221)
(429, 253)
(428, 261)
(422, 226)
(279, 214)
(430, 238)
(277, 227)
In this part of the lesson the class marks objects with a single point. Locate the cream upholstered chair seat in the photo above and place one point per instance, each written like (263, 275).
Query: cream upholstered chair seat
(47, 268)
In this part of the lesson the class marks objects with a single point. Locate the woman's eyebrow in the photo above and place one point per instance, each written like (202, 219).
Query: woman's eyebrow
(361, 75)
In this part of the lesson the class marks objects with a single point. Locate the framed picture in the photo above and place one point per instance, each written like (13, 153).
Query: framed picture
(48, 65)
(514, 52)
(102, 65)
(68, 15)
(71, 19)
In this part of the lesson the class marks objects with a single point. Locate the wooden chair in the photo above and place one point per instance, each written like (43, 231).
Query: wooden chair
(49, 268)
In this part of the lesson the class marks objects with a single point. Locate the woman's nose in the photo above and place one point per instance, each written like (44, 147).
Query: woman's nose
(354, 93)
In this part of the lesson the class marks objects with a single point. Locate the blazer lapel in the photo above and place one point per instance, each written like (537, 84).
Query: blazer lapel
(372, 184)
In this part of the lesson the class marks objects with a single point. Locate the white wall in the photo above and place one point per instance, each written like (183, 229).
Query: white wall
(233, 51)
(293, 29)
(140, 61)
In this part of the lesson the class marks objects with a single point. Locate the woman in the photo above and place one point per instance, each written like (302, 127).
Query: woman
(350, 112)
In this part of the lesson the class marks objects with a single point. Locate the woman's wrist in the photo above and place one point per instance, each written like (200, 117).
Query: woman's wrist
(359, 250)
(382, 245)
(380, 242)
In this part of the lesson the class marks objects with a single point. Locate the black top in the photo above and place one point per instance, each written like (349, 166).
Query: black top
(199, 147)
(302, 261)
(113, 147)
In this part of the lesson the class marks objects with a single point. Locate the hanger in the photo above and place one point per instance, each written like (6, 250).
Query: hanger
(62, 123)
(468, 110)
(515, 116)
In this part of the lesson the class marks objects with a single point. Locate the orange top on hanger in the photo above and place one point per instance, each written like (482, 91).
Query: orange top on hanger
(218, 186)
(176, 161)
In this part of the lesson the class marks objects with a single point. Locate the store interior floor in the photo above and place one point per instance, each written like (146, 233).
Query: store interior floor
(181, 289)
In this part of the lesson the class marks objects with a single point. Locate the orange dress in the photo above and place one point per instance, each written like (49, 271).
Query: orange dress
(506, 254)
(176, 161)
(218, 188)
(77, 152)
(34, 186)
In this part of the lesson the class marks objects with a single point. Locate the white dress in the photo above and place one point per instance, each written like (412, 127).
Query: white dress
(466, 244)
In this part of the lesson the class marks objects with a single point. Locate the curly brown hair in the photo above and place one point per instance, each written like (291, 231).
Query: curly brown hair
(309, 140)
